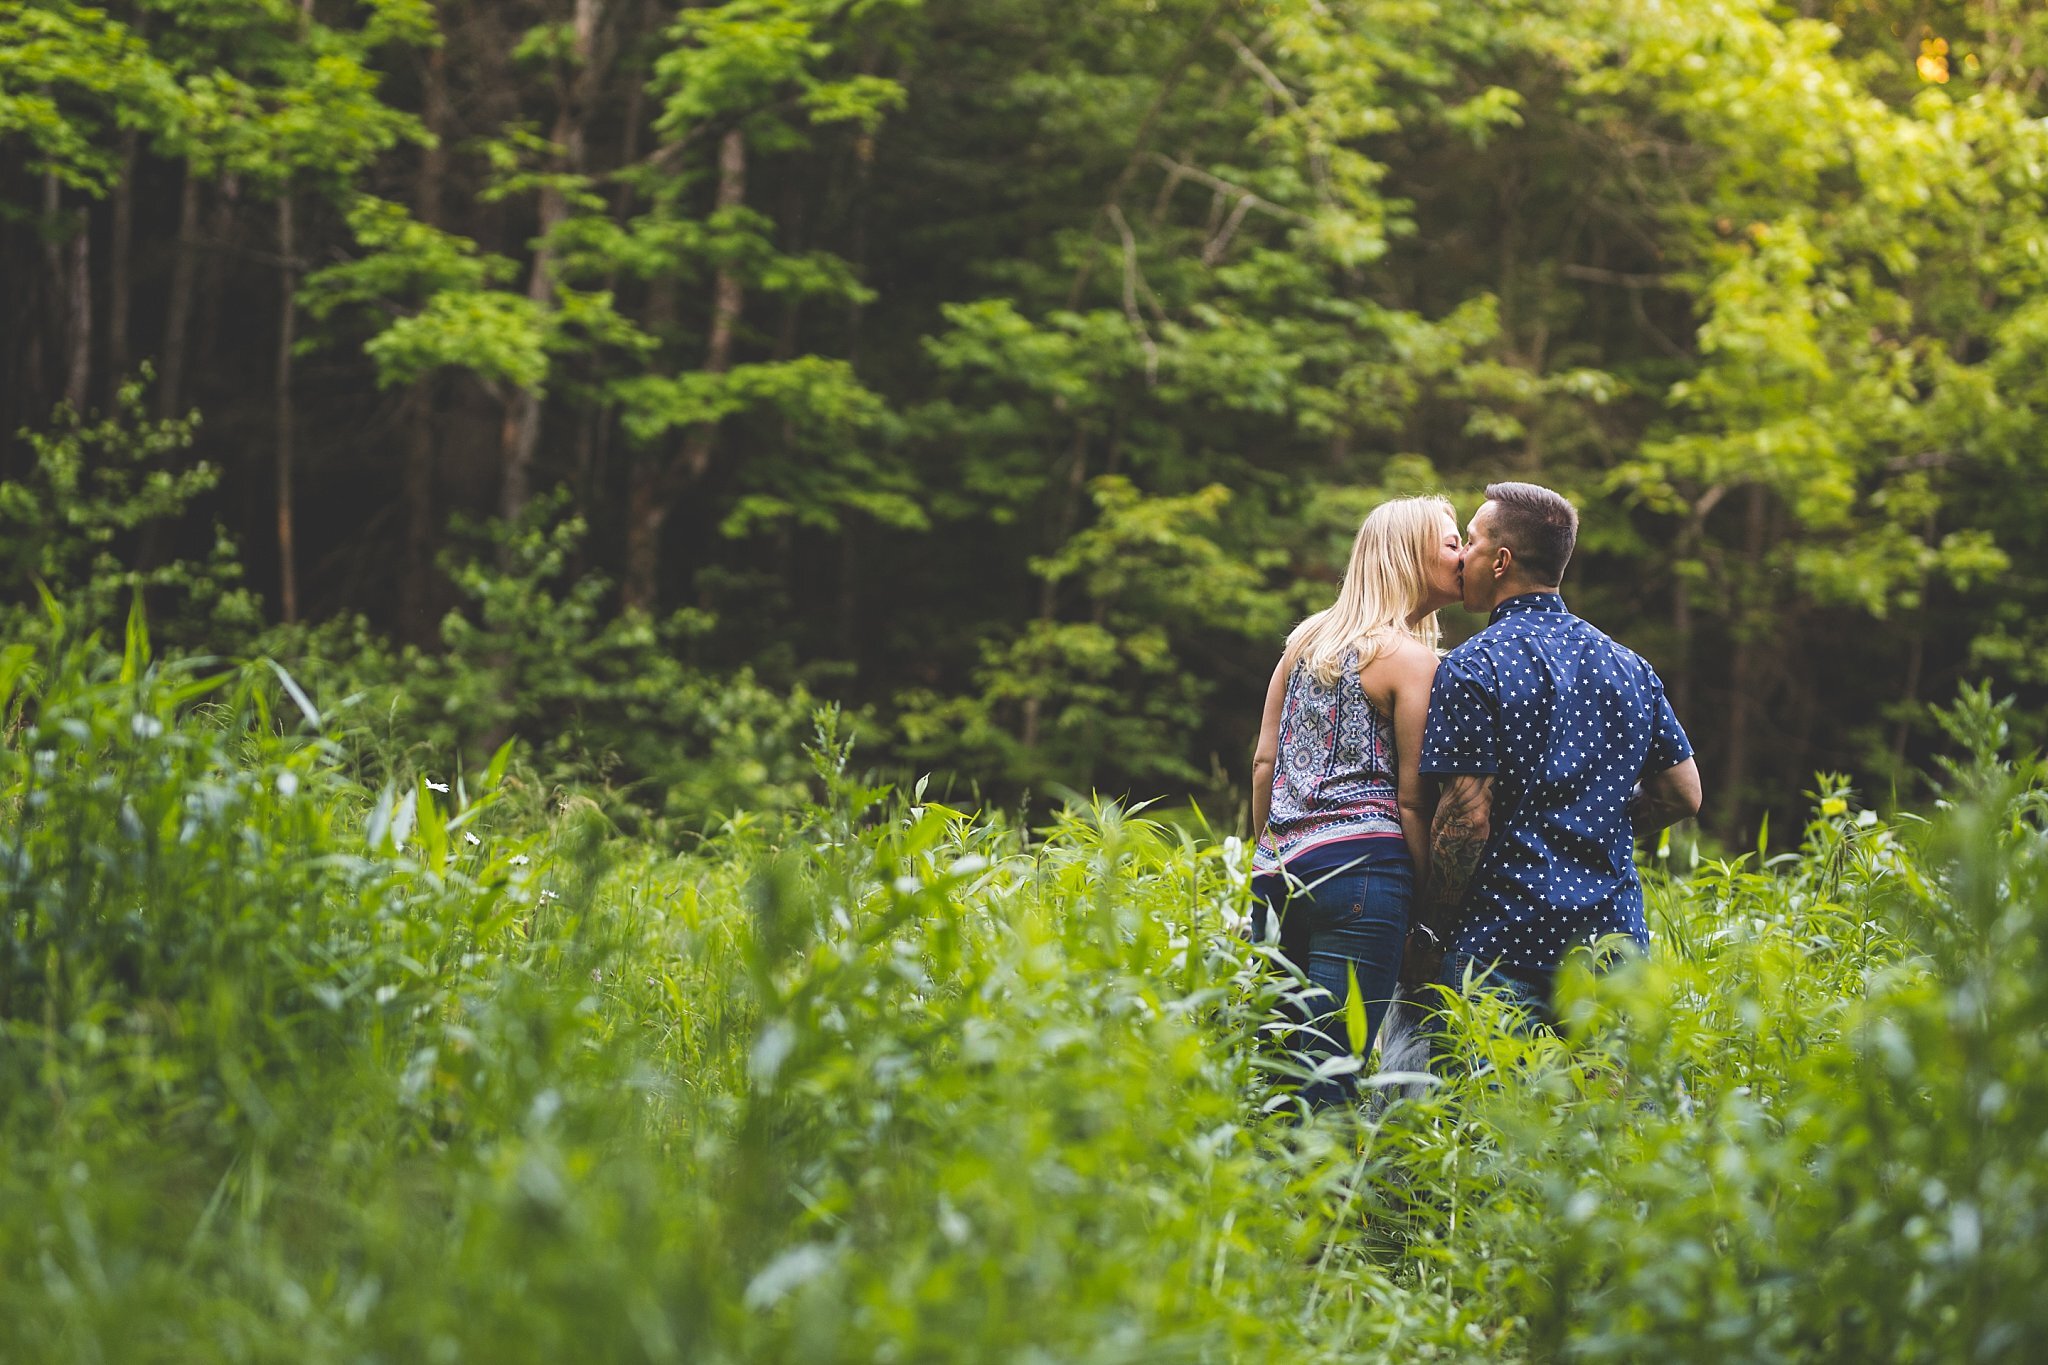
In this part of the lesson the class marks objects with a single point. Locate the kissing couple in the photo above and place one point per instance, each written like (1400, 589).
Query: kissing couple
(1464, 820)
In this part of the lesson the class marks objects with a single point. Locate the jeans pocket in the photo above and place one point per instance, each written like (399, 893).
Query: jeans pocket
(1340, 901)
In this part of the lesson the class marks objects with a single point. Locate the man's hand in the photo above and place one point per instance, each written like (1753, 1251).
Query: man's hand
(1457, 838)
(1422, 958)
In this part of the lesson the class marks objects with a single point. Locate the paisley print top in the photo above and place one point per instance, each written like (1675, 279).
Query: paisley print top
(1335, 777)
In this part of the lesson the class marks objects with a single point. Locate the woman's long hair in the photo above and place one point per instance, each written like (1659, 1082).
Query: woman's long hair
(1387, 577)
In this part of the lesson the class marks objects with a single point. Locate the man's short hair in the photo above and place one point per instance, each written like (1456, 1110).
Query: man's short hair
(1538, 525)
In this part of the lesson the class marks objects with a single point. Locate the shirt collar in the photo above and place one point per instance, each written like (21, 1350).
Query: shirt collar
(1529, 601)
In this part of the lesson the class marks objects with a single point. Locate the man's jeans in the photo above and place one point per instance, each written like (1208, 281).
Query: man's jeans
(1347, 922)
(1531, 990)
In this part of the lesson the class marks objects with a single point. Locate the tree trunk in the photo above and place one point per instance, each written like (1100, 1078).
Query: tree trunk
(69, 265)
(120, 263)
(213, 277)
(1909, 695)
(416, 587)
(594, 438)
(523, 418)
(728, 297)
(1680, 684)
(1916, 660)
(47, 321)
(1049, 591)
(1743, 669)
(287, 335)
(78, 326)
(647, 509)
(178, 311)
(655, 488)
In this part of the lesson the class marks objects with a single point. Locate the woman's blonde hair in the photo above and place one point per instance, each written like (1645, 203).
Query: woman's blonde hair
(1387, 577)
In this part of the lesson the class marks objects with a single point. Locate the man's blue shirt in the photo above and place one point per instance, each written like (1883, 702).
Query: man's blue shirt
(1567, 722)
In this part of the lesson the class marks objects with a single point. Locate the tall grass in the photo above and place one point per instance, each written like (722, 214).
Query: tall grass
(295, 1068)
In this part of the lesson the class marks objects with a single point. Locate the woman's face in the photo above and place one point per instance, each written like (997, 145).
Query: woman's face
(1444, 585)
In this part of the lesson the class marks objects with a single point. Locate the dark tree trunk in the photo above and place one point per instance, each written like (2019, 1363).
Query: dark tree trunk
(78, 317)
(69, 266)
(523, 418)
(48, 319)
(178, 311)
(416, 586)
(1679, 684)
(1743, 672)
(213, 277)
(655, 487)
(287, 336)
(1065, 516)
(120, 264)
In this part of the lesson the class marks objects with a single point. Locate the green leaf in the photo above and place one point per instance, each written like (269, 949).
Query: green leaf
(1354, 1012)
(135, 644)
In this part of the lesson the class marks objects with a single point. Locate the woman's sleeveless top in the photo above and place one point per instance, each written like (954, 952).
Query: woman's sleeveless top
(1334, 779)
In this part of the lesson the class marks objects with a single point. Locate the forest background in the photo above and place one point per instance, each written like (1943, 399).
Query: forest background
(629, 376)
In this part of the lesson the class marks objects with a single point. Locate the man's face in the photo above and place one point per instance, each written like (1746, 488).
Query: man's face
(1483, 563)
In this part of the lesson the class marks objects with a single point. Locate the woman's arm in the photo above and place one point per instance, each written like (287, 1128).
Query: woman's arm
(1267, 754)
(1413, 669)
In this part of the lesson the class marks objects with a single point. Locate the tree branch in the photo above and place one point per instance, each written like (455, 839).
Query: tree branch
(1625, 280)
(1265, 73)
(1217, 183)
(1131, 281)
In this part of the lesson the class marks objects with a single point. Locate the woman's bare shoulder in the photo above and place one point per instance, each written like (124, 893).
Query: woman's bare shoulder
(1401, 665)
(1410, 657)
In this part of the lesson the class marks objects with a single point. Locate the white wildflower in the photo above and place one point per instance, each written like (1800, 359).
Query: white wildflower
(471, 838)
(434, 786)
(1233, 861)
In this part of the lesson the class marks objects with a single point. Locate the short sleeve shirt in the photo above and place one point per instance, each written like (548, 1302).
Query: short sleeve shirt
(1566, 722)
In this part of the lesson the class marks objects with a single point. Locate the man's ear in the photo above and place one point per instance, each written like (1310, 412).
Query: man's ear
(1503, 561)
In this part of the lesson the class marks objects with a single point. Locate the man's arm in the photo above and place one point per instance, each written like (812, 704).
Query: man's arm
(1457, 838)
(1663, 799)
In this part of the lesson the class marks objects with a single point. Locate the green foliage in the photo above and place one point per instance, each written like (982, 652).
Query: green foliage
(890, 295)
(738, 57)
(70, 525)
(69, 75)
(597, 699)
(297, 1067)
(456, 319)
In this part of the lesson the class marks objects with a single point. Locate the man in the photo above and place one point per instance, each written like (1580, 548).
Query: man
(1555, 749)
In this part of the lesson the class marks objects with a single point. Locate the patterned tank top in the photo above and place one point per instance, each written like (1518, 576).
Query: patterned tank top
(1334, 779)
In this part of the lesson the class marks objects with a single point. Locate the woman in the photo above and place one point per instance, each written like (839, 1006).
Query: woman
(1336, 793)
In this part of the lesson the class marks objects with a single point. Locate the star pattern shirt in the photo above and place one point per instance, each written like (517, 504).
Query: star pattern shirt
(1567, 722)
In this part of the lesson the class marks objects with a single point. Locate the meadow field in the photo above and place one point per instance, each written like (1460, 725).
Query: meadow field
(309, 1057)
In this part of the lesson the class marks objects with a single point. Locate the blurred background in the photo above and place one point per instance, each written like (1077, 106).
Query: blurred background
(631, 378)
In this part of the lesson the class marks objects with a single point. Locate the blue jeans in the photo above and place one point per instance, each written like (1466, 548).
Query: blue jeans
(1531, 990)
(1346, 922)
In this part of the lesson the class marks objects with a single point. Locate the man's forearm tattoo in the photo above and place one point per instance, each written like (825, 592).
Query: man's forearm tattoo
(1457, 839)
(1652, 809)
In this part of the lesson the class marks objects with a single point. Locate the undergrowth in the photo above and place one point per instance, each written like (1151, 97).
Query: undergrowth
(295, 1067)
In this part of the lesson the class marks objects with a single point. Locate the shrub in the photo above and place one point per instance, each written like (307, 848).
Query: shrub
(290, 1068)
(607, 705)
